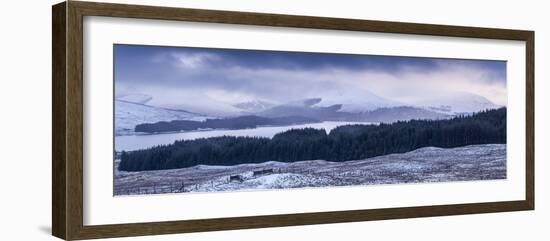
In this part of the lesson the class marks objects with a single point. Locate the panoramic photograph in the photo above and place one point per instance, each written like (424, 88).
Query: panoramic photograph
(190, 119)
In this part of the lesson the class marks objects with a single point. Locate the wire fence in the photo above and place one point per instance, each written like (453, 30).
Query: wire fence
(182, 186)
(187, 186)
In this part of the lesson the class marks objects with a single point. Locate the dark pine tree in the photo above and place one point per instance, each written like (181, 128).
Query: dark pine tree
(343, 143)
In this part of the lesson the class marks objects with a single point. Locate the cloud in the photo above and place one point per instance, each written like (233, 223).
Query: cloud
(193, 60)
(175, 75)
(418, 86)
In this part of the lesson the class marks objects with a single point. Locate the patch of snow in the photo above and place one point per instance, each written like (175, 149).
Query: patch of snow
(429, 164)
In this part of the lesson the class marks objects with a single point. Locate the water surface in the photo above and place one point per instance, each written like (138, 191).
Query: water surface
(135, 142)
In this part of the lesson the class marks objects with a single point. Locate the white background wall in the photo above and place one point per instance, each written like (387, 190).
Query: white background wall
(25, 119)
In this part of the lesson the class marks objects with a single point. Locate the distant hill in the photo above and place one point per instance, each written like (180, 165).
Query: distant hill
(358, 101)
(402, 113)
(254, 106)
(291, 115)
(453, 103)
(235, 123)
(128, 115)
(334, 112)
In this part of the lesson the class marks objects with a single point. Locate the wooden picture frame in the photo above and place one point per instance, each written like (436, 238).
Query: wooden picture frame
(67, 124)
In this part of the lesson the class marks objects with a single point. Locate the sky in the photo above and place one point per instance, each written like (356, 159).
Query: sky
(176, 76)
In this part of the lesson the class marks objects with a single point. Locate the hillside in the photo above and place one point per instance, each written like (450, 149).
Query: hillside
(129, 114)
(469, 163)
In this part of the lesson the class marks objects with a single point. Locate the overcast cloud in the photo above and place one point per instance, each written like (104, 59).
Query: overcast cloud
(220, 76)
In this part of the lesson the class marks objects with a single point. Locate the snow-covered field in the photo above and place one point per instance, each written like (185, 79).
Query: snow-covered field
(429, 164)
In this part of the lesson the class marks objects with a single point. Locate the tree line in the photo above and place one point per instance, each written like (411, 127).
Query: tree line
(344, 143)
(234, 123)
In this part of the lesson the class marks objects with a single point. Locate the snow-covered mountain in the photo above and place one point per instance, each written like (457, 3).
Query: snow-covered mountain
(311, 108)
(357, 101)
(254, 106)
(456, 103)
(129, 114)
(349, 105)
(448, 103)
(304, 102)
(197, 103)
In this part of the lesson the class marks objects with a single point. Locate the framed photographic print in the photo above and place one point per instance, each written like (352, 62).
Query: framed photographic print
(171, 120)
